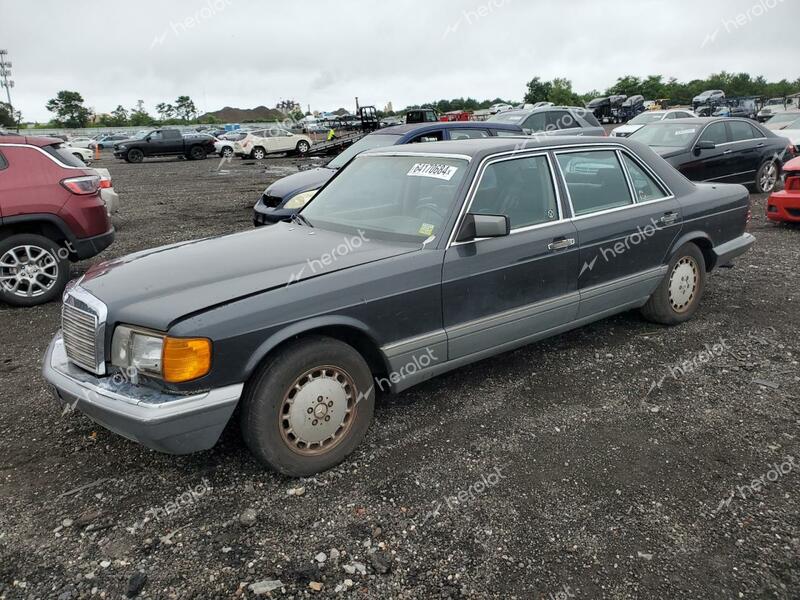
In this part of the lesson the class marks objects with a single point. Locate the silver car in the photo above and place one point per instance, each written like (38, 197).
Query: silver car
(553, 120)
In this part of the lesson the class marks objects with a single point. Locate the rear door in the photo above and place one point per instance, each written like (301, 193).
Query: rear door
(172, 141)
(498, 291)
(746, 144)
(626, 221)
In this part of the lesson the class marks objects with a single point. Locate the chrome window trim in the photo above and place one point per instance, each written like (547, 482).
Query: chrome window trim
(368, 154)
(473, 190)
(707, 125)
(53, 158)
(657, 180)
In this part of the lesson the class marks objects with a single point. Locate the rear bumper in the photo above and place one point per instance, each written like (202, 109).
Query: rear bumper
(111, 199)
(163, 422)
(92, 246)
(784, 206)
(733, 248)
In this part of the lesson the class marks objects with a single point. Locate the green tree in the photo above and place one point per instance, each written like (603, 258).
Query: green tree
(119, 117)
(6, 116)
(165, 111)
(139, 116)
(69, 109)
(561, 93)
(538, 91)
(185, 108)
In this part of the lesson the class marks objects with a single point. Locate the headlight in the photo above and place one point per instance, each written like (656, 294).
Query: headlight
(120, 146)
(300, 200)
(151, 353)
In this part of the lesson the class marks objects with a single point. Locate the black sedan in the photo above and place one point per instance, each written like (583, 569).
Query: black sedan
(721, 150)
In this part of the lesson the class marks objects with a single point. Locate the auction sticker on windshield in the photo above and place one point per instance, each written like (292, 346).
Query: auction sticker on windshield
(685, 131)
(437, 171)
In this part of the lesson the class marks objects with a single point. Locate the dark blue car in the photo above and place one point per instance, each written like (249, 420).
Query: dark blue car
(286, 196)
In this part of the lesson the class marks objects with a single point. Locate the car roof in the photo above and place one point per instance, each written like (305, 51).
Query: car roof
(530, 111)
(418, 127)
(482, 147)
(30, 140)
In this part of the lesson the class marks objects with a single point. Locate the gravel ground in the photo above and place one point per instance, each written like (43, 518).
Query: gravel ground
(580, 467)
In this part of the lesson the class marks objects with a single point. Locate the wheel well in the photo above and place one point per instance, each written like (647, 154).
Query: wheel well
(43, 228)
(363, 344)
(708, 251)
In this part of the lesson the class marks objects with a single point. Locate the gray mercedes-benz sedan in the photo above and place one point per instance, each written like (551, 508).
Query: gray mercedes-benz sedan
(411, 261)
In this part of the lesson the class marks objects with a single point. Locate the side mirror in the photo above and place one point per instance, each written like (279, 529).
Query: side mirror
(147, 139)
(703, 145)
(483, 226)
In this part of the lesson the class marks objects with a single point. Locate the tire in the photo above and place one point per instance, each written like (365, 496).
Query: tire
(258, 153)
(226, 152)
(336, 398)
(196, 153)
(44, 283)
(767, 177)
(678, 296)
(303, 147)
(134, 155)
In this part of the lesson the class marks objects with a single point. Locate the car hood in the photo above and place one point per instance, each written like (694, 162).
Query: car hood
(303, 181)
(628, 128)
(157, 287)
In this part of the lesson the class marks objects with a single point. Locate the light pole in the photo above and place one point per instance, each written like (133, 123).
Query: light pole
(5, 73)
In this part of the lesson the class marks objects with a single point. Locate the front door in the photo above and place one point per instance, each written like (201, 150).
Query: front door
(716, 164)
(504, 291)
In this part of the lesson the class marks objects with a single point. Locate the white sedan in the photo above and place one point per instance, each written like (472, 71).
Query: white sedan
(650, 116)
(80, 142)
(83, 154)
(271, 141)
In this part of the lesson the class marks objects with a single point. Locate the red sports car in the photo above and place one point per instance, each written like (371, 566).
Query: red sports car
(785, 205)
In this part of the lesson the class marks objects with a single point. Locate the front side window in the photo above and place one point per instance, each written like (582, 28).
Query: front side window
(521, 189)
(715, 133)
(406, 198)
(644, 186)
(3, 162)
(432, 136)
(561, 119)
(595, 181)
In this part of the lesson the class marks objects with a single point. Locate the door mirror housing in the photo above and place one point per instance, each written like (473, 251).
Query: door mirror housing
(483, 226)
(147, 139)
(703, 145)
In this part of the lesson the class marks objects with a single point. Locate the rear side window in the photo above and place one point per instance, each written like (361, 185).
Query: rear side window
(561, 119)
(63, 155)
(171, 134)
(432, 136)
(741, 131)
(466, 134)
(644, 186)
(3, 162)
(589, 117)
(715, 133)
(507, 133)
(536, 122)
(595, 181)
(521, 188)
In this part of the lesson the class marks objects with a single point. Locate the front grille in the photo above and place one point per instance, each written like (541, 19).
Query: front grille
(795, 212)
(272, 201)
(83, 320)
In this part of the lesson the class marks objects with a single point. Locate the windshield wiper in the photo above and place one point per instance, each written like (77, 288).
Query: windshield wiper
(302, 219)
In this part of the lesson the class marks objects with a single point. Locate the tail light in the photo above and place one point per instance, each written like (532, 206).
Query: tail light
(82, 185)
(105, 183)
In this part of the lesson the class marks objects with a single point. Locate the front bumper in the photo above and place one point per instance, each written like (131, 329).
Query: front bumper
(726, 252)
(784, 206)
(164, 422)
(265, 215)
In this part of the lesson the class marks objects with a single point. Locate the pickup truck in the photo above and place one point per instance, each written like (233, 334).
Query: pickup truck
(412, 261)
(165, 142)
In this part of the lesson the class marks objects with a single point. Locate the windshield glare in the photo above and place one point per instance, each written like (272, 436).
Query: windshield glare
(672, 135)
(366, 143)
(646, 118)
(406, 198)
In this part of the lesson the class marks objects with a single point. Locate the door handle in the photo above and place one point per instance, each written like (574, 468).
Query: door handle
(727, 152)
(560, 244)
(668, 218)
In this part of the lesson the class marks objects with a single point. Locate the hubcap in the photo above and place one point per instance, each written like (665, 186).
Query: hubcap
(259, 154)
(303, 147)
(318, 410)
(28, 271)
(683, 284)
(769, 177)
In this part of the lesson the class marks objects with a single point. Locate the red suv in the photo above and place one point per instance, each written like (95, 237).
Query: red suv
(50, 214)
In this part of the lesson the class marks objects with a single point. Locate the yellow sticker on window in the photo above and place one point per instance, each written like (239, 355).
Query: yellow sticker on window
(426, 229)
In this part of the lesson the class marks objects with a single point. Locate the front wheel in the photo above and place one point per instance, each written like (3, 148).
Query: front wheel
(227, 152)
(134, 156)
(303, 147)
(307, 409)
(258, 153)
(33, 269)
(677, 297)
(767, 177)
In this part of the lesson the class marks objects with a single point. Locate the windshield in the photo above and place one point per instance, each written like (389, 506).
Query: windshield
(645, 118)
(784, 118)
(405, 198)
(672, 135)
(366, 143)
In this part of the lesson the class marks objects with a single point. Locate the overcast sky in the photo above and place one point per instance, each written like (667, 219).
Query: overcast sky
(245, 53)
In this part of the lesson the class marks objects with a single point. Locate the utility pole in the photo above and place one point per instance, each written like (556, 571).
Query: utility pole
(5, 73)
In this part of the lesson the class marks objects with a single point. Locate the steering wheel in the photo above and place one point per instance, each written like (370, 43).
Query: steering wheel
(434, 208)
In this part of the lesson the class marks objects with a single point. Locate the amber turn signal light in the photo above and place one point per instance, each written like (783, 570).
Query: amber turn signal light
(185, 359)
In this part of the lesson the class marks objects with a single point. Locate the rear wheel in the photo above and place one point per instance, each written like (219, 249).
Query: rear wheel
(226, 152)
(197, 153)
(307, 409)
(303, 147)
(258, 153)
(766, 177)
(678, 296)
(33, 269)
(134, 155)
